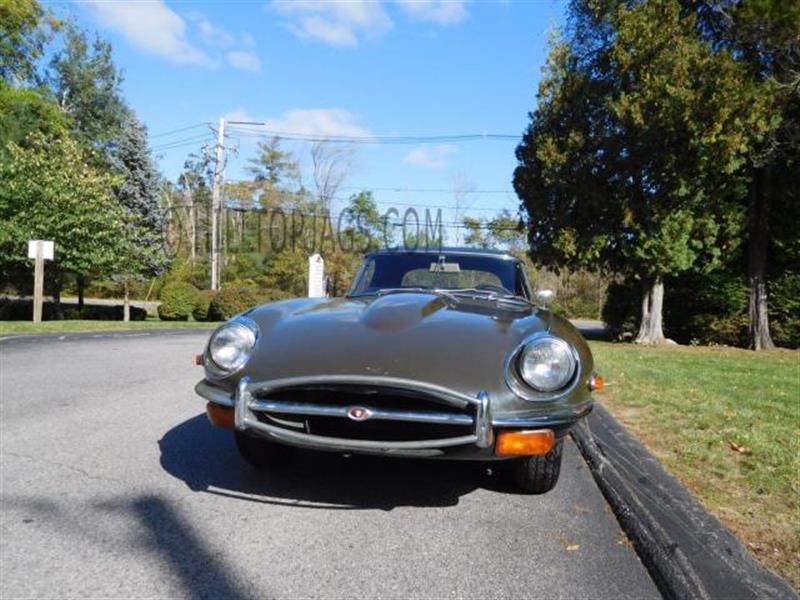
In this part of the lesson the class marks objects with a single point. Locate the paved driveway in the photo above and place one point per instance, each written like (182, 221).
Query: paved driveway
(113, 484)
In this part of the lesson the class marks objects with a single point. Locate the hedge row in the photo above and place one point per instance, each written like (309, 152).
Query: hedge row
(22, 310)
(180, 300)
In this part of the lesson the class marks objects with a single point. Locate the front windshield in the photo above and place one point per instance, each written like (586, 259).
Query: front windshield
(437, 271)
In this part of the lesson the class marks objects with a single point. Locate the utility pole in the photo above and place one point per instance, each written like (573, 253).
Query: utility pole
(216, 204)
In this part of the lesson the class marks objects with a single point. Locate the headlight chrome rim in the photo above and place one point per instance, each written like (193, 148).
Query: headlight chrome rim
(214, 363)
(524, 389)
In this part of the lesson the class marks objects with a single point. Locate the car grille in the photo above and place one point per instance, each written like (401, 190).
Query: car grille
(396, 415)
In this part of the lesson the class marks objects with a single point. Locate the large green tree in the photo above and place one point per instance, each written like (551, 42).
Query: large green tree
(25, 28)
(50, 190)
(85, 83)
(764, 36)
(632, 162)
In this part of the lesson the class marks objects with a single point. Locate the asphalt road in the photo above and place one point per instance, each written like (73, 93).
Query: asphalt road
(113, 484)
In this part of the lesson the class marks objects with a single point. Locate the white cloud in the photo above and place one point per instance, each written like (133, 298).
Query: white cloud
(153, 27)
(244, 60)
(321, 122)
(211, 34)
(335, 22)
(443, 12)
(431, 157)
(344, 22)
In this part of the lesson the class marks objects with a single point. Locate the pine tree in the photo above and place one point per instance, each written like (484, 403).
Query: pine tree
(141, 187)
(138, 195)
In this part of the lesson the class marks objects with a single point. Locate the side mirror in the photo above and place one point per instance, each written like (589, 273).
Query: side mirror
(545, 297)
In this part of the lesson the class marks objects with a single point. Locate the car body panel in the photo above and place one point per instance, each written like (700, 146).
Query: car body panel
(461, 345)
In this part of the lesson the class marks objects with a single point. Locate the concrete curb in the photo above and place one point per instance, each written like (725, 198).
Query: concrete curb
(687, 551)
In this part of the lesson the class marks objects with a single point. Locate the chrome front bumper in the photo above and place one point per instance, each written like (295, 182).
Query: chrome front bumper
(478, 424)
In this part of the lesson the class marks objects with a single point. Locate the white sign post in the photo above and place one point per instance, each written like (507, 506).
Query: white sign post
(316, 276)
(39, 250)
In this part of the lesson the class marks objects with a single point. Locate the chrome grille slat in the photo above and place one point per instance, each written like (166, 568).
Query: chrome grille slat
(302, 408)
(258, 402)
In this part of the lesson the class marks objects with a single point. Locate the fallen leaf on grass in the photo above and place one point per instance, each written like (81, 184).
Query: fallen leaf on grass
(737, 448)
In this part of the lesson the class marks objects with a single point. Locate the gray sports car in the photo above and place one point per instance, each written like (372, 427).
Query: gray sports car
(435, 353)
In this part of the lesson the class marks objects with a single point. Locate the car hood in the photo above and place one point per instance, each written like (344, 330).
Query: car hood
(461, 345)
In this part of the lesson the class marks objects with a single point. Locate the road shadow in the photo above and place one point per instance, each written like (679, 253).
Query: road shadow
(202, 573)
(206, 459)
(166, 535)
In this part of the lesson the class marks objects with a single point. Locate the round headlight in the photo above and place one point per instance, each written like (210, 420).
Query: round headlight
(231, 344)
(547, 364)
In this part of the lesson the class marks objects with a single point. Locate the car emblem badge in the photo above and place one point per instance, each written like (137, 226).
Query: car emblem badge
(358, 413)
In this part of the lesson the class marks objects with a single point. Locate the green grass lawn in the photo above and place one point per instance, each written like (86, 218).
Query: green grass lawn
(27, 328)
(727, 423)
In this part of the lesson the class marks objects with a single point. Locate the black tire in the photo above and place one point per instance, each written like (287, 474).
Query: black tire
(539, 474)
(259, 452)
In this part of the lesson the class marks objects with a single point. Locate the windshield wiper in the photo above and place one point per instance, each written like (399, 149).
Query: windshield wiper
(417, 290)
(490, 295)
(405, 290)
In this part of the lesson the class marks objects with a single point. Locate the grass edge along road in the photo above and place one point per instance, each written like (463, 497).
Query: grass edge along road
(10, 328)
(725, 421)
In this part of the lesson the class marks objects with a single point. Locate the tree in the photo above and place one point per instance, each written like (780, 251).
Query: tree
(765, 37)
(332, 164)
(273, 165)
(86, 85)
(632, 159)
(24, 111)
(363, 225)
(507, 231)
(49, 189)
(475, 235)
(25, 28)
(194, 185)
(138, 194)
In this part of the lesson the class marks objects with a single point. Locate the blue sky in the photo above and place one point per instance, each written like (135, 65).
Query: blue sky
(393, 68)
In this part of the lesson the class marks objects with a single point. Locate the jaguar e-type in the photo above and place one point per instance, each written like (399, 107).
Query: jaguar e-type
(434, 353)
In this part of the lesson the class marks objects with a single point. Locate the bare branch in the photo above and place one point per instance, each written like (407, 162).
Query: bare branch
(332, 164)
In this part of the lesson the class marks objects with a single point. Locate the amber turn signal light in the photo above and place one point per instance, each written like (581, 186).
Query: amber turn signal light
(198, 360)
(596, 383)
(525, 443)
(221, 416)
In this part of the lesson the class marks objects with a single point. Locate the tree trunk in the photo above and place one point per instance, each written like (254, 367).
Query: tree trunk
(81, 290)
(58, 310)
(651, 330)
(126, 306)
(760, 338)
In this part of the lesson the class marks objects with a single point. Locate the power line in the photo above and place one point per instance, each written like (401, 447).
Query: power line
(422, 190)
(423, 206)
(182, 143)
(179, 130)
(258, 130)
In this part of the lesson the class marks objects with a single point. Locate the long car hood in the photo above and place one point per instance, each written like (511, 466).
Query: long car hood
(462, 345)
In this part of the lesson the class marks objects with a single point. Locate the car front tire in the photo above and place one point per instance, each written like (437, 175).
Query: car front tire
(539, 474)
(261, 453)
